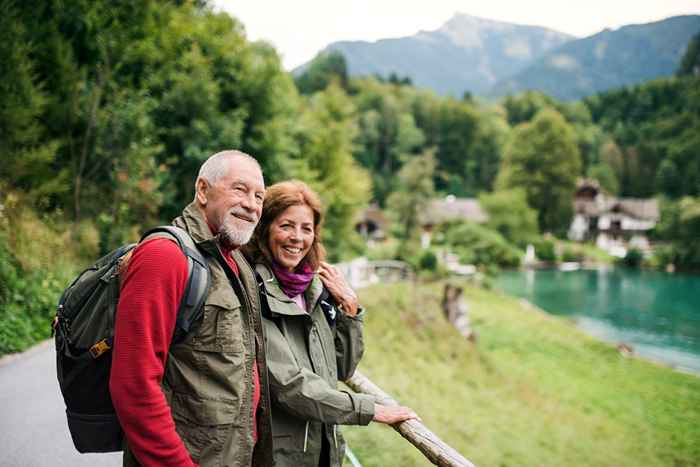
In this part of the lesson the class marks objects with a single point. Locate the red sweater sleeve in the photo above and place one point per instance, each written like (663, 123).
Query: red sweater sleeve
(154, 284)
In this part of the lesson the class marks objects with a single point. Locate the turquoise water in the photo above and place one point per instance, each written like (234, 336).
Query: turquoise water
(657, 313)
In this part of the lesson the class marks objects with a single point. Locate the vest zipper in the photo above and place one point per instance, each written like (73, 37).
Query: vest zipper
(236, 281)
(306, 435)
(335, 437)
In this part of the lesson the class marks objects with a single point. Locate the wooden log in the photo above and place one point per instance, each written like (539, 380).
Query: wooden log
(427, 442)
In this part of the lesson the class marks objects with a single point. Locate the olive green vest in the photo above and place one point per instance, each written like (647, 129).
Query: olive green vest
(208, 378)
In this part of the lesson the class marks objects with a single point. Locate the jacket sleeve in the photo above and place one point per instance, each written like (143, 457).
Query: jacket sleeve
(306, 395)
(349, 344)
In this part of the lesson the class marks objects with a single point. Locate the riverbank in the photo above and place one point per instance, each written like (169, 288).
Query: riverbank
(657, 314)
(533, 390)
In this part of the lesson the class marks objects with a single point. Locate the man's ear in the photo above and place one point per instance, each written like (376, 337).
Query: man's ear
(201, 187)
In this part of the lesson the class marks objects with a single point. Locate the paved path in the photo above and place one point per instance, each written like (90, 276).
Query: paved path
(33, 430)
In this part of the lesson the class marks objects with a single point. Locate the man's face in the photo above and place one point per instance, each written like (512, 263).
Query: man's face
(233, 204)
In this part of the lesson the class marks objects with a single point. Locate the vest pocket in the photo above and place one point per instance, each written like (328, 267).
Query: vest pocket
(204, 425)
(221, 328)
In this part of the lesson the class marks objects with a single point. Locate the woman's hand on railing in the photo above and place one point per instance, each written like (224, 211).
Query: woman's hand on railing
(393, 414)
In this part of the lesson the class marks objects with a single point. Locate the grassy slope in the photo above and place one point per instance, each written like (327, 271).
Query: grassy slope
(533, 391)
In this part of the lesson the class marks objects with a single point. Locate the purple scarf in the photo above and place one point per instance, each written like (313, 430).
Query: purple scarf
(293, 283)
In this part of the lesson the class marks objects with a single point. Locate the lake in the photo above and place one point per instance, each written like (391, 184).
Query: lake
(657, 313)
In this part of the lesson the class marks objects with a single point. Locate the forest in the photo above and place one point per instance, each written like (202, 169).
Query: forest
(109, 108)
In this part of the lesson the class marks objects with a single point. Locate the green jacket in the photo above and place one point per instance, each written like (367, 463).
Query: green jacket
(208, 377)
(306, 357)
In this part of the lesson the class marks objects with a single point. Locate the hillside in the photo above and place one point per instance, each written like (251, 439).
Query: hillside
(659, 121)
(533, 391)
(610, 59)
(492, 58)
(465, 54)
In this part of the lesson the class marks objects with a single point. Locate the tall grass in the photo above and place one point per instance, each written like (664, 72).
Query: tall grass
(38, 257)
(533, 390)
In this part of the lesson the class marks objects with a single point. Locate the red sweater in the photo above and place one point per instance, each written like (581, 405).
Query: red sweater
(152, 289)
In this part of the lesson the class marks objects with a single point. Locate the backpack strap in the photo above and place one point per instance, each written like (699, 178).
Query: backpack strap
(198, 280)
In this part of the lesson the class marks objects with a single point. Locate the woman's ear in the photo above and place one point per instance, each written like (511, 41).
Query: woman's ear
(201, 191)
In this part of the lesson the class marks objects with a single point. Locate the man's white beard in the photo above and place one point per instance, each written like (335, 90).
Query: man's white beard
(235, 232)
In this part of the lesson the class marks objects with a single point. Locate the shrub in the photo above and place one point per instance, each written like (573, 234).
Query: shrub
(662, 257)
(511, 216)
(571, 255)
(544, 250)
(27, 301)
(389, 249)
(481, 246)
(633, 258)
(428, 261)
(37, 260)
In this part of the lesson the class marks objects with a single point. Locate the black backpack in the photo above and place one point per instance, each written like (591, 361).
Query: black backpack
(84, 333)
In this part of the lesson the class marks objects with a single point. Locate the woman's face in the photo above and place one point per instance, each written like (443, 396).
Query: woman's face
(291, 236)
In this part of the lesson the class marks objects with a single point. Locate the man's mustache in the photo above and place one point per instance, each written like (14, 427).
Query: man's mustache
(244, 215)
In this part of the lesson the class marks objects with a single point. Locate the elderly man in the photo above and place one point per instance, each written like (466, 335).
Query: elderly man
(203, 401)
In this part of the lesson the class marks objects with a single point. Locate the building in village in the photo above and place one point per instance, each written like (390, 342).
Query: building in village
(372, 224)
(449, 208)
(614, 224)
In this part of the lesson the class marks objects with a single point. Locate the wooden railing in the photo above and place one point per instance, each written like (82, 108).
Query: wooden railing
(427, 442)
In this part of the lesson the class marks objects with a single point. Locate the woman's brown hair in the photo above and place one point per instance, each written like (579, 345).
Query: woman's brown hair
(278, 198)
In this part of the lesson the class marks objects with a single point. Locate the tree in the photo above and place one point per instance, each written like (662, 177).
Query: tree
(511, 216)
(324, 69)
(612, 157)
(388, 133)
(457, 133)
(215, 90)
(26, 151)
(110, 108)
(680, 224)
(543, 159)
(414, 190)
(485, 154)
(655, 127)
(325, 141)
(479, 245)
(523, 107)
(690, 64)
(605, 175)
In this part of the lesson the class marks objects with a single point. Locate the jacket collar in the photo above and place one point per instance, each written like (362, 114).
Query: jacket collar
(271, 286)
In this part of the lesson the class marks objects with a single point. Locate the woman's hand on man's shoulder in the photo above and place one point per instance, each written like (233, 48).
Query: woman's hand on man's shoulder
(338, 286)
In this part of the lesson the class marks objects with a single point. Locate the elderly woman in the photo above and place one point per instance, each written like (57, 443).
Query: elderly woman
(313, 333)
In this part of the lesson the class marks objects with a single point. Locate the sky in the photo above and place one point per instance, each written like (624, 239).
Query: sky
(300, 28)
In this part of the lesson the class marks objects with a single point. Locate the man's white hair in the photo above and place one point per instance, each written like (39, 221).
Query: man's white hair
(217, 166)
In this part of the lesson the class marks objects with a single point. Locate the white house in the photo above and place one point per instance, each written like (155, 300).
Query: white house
(615, 224)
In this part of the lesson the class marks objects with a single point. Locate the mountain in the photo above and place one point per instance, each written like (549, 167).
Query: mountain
(493, 58)
(465, 54)
(612, 58)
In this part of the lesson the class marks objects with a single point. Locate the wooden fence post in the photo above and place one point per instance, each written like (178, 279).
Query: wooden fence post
(427, 442)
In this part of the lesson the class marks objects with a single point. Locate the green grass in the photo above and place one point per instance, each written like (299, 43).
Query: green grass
(533, 390)
(587, 251)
